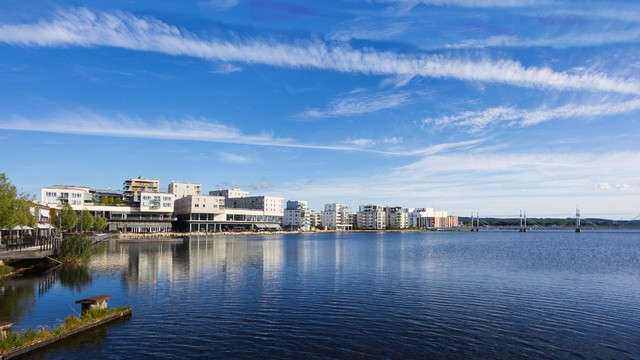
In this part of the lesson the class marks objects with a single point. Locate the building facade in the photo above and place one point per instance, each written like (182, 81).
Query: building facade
(133, 187)
(296, 216)
(59, 195)
(336, 217)
(396, 217)
(199, 213)
(183, 189)
(371, 217)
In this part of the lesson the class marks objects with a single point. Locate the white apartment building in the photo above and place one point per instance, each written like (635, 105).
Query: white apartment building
(296, 216)
(200, 213)
(183, 189)
(156, 202)
(336, 217)
(396, 217)
(371, 217)
(59, 195)
(315, 219)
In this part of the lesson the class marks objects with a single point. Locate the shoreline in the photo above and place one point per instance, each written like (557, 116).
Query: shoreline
(174, 235)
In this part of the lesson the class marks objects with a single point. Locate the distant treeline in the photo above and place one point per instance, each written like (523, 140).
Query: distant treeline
(549, 222)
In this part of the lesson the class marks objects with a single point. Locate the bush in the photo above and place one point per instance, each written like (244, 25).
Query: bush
(75, 249)
(5, 271)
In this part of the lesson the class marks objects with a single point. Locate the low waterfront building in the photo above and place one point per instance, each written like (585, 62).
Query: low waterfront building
(244, 212)
(200, 213)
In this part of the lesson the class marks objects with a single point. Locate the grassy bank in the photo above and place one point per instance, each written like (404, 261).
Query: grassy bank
(16, 341)
(5, 271)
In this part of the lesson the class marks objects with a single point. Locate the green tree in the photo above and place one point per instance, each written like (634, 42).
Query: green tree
(68, 218)
(15, 208)
(85, 220)
(99, 223)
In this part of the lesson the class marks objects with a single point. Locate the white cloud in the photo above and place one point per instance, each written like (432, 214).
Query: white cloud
(122, 125)
(370, 29)
(623, 187)
(475, 121)
(495, 183)
(371, 142)
(225, 68)
(602, 186)
(81, 27)
(192, 129)
(474, 3)
(233, 158)
(583, 39)
(358, 102)
(220, 4)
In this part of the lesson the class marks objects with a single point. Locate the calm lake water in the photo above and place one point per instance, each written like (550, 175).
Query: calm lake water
(498, 295)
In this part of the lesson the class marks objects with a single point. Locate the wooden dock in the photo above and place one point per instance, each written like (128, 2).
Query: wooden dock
(29, 253)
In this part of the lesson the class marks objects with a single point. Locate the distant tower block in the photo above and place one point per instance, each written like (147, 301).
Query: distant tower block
(578, 220)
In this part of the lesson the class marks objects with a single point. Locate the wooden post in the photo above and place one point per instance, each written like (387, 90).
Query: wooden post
(4, 326)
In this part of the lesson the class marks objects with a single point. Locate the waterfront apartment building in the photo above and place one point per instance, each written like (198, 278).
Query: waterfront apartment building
(183, 189)
(199, 213)
(59, 195)
(336, 217)
(152, 213)
(429, 218)
(296, 216)
(133, 187)
(315, 219)
(396, 217)
(244, 212)
(371, 217)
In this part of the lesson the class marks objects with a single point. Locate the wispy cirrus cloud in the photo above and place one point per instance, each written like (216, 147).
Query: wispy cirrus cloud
(358, 102)
(122, 125)
(394, 140)
(474, 3)
(581, 39)
(220, 4)
(85, 122)
(475, 121)
(233, 158)
(225, 69)
(371, 29)
(84, 28)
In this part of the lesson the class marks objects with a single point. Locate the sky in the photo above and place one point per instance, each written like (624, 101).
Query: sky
(487, 106)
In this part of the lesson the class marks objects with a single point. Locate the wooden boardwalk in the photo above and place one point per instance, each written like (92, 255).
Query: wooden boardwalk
(27, 250)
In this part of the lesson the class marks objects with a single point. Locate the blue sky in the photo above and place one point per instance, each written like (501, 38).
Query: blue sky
(490, 106)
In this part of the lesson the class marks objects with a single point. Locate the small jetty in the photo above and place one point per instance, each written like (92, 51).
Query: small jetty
(94, 314)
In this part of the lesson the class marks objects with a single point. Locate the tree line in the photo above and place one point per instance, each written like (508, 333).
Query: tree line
(70, 220)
